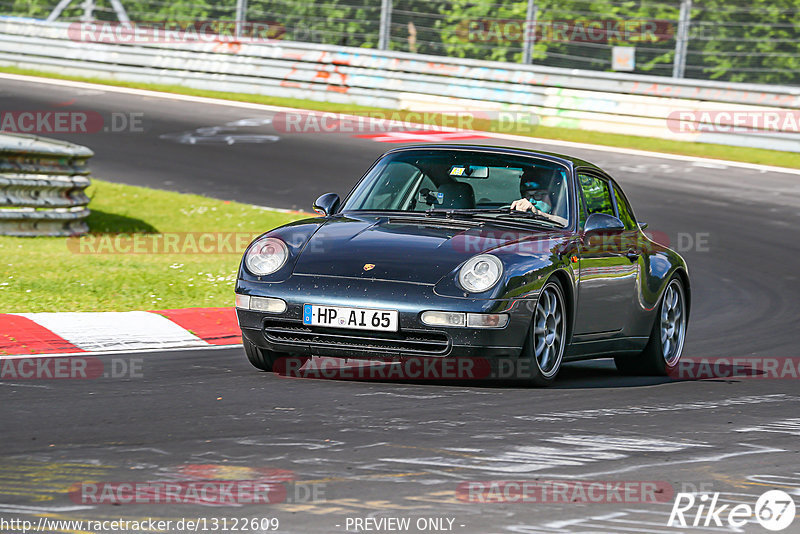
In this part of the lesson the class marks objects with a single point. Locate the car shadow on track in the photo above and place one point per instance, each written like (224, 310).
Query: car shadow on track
(602, 374)
(574, 375)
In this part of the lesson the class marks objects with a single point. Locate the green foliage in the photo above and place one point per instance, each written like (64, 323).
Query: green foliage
(337, 22)
(755, 41)
(104, 272)
(758, 41)
(499, 39)
(464, 22)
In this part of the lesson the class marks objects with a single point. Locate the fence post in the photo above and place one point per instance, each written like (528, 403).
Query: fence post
(529, 33)
(241, 16)
(119, 9)
(62, 4)
(88, 11)
(386, 25)
(682, 39)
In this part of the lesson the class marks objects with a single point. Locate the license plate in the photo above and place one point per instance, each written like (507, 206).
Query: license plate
(356, 318)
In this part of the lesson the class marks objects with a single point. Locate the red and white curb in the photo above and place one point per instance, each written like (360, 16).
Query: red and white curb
(76, 332)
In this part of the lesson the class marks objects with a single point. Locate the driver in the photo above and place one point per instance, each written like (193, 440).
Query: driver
(535, 195)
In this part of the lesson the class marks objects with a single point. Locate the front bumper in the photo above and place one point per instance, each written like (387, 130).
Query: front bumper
(286, 333)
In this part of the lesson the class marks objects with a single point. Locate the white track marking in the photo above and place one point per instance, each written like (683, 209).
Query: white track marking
(14, 508)
(117, 352)
(570, 522)
(19, 385)
(102, 331)
(755, 449)
(494, 135)
(627, 520)
(787, 426)
(651, 409)
(777, 480)
(529, 459)
(571, 451)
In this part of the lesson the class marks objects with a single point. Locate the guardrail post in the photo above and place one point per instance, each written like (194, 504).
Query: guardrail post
(88, 11)
(682, 39)
(529, 32)
(386, 25)
(241, 16)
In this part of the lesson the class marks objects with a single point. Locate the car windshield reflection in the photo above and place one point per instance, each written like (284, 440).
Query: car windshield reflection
(466, 183)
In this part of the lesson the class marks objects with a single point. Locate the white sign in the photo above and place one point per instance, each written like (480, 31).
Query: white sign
(623, 58)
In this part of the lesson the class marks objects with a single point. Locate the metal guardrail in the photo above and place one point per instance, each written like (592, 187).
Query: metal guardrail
(42, 186)
(589, 100)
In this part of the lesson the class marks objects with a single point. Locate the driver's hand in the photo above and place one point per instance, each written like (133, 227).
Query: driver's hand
(522, 204)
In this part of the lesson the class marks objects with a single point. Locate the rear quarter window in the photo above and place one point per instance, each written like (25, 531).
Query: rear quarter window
(597, 194)
(624, 209)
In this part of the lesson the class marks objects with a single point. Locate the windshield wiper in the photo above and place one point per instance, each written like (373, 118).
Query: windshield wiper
(537, 215)
(449, 213)
(496, 213)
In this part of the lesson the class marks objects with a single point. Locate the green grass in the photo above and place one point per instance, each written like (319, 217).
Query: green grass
(749, 155)
(44, 274)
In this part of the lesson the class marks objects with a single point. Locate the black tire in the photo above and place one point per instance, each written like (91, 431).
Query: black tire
(665, 347)
(261, 358)
(546, 340)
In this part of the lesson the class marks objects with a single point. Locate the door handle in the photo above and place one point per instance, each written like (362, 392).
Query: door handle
(632, 255)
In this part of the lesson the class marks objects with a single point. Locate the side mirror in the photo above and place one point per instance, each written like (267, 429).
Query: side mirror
(643, 225)
(602, 224)
(327, 204)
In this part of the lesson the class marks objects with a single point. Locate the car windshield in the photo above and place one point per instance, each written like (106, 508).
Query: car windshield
(464, 182)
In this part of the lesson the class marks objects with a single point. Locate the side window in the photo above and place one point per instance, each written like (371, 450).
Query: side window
(624, 209)
(581, 212)
(388, 191)
(597, 194)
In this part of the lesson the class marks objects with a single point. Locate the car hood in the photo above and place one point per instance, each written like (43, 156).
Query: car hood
(408, 249)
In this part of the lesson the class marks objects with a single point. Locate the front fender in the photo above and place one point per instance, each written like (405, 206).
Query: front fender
(296, 235)
(526, 267)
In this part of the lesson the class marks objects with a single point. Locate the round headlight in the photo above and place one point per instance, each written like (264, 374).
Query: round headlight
(266, 256)
(480, 273)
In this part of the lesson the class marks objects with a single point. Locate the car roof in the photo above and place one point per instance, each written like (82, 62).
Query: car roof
(552, 156)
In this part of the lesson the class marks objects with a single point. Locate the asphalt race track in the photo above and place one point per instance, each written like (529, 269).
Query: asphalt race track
(399, 450)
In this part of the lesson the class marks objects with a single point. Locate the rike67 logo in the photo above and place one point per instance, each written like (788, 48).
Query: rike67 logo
(774, 510)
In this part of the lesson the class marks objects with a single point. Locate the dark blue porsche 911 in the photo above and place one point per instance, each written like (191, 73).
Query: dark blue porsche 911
(466, 251)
